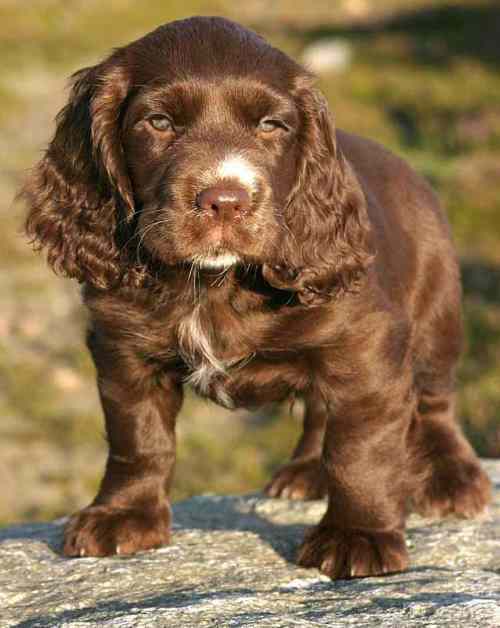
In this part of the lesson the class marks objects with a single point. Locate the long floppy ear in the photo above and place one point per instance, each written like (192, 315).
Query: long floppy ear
(79, 195)
(328, 245)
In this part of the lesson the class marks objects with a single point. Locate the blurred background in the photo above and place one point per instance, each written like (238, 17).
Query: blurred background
(419, 76)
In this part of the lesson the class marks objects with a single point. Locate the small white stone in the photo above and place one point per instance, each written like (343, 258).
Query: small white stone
(327, 55)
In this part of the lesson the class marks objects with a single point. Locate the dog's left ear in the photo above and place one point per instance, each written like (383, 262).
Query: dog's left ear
(328, 245)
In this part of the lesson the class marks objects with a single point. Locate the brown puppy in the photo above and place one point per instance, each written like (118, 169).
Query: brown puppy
(227, 237)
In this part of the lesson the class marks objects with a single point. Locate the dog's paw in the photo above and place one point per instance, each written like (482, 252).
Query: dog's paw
(103, 530)
(303, 478)
(455, 486)
(344, 554)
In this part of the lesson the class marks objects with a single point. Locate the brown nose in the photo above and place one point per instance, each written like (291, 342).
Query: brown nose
(223, 202)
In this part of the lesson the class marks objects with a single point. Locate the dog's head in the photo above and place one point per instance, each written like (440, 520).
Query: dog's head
(199, 143)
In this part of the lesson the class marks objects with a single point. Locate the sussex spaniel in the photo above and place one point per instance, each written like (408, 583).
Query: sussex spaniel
(227, 237)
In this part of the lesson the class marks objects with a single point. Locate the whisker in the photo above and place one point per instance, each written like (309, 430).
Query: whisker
(145, 231)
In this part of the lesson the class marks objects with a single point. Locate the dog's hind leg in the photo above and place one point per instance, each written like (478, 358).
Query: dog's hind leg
(304, 477)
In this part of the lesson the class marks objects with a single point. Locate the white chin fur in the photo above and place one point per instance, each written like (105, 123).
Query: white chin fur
(218, 261)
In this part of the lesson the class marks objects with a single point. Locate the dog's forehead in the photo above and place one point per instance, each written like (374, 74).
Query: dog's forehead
(211, 47)
(225, 96)
(204, 88)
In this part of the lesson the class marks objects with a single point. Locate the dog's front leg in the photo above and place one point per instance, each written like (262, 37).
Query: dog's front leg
(131, 510)
(365, 459)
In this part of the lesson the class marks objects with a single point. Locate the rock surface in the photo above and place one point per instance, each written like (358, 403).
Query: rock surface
(231, 564)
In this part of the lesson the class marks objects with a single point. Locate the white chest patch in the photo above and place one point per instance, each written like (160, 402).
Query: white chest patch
(195, 341)
(208, 373)
(207, 381)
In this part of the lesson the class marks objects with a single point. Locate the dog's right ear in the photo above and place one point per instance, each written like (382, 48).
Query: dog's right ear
(79, 195)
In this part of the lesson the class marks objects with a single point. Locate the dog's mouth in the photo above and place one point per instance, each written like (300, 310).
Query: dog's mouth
(220, 259)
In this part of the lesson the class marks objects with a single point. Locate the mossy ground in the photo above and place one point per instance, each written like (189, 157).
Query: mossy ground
(425, 82)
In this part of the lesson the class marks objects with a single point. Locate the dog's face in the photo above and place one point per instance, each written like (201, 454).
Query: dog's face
(198, 144)
(212, 162)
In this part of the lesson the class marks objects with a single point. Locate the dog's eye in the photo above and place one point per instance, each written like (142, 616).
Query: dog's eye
(160, 123)
(270, 125)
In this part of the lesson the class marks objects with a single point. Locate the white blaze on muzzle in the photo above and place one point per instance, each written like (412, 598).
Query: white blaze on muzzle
(233, 167)
(238, 168)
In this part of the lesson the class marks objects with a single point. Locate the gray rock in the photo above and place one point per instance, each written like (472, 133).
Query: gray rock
(231, 564)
